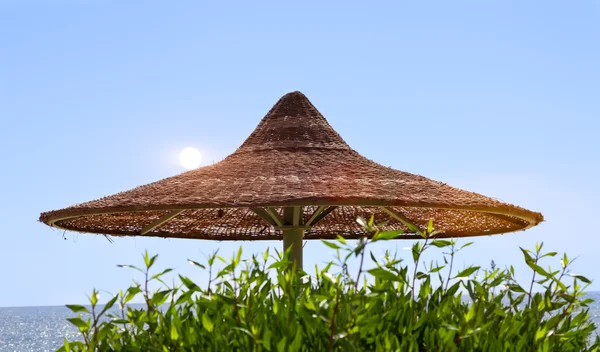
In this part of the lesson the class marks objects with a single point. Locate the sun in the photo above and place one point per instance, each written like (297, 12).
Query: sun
(190, 158)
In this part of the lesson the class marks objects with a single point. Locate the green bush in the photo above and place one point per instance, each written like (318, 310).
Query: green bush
(263, 305)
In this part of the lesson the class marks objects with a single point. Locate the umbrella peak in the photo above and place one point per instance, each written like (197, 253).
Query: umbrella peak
(293, 123)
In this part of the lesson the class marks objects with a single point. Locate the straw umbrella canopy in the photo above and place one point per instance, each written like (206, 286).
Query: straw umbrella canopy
(293, 178)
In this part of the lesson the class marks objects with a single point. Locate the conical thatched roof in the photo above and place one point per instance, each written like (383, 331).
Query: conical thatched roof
(294, 159)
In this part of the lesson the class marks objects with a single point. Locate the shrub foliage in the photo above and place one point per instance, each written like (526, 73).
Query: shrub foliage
(261, 304)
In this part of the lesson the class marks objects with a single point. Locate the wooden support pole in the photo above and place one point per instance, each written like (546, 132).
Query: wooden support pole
(292, 237)
(160, 221)
(275, 215)
(264, 215)
(396, 215)
(319, 214)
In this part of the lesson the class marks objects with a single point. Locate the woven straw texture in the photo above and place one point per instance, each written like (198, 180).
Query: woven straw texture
(293, 158)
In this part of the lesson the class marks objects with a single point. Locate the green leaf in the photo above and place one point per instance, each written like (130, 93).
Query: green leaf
(94, 298)
(226, 299)
(565, 261)
(108, 305)
(331, 244)
(449, 327)
(184, 297)
(174, 333)
(341, 239)
(387, 235)
(156, 276)
(538, 246)
(560, 284)
(412, 227)
(582, 278)
(238, 257)
(189, 283)
(267, 339)
(75, 308)
(132, 291)
(471, 313)
(212, 258)
(149, 261)
(466, 245)
(436, 232)
(103, 332)
(437, 268)
(130, 267)
(279, 265)
(78, 322)
(196, 264)
(245, 331)
(541, 331)
(296, 344)
(360, 247)
(67, 347)
(430, 226)
(416, 250)
(207, 323)
(528, 257)
(538, 269)
(373, 257)
(384, 274)
(281, 344)
(467, 272)
(159, 297)
(516, 288)
(371, 221)
(441, 243)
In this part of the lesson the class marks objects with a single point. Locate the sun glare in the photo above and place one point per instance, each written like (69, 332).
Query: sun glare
(190, 158)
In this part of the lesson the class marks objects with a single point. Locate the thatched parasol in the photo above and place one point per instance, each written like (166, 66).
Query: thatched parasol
(294, 178)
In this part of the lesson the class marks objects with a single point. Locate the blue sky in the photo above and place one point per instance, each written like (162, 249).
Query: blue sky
(96, 97)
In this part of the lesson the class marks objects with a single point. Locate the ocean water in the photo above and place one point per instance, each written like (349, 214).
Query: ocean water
(35, 328)
(41, 329)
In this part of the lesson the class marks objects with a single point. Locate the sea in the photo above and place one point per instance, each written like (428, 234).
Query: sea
(43, 329)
